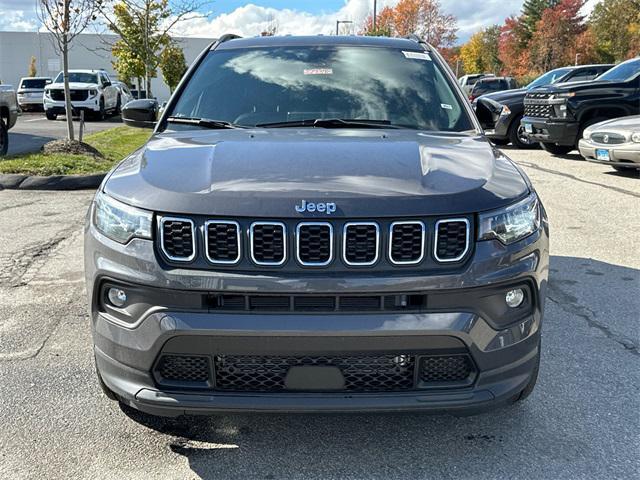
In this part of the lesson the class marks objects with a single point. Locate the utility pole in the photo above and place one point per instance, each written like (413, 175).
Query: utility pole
(375, 2)
(338, 22)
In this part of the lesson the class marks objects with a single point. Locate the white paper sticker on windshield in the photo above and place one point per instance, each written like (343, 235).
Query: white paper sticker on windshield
(446, 106)
(318, 71)
(417, 55)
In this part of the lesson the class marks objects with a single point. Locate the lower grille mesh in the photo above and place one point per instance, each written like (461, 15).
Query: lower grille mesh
(367, 373)
(445, 369)
(183, 368)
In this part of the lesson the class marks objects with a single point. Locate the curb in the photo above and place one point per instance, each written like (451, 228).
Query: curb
(14, 181)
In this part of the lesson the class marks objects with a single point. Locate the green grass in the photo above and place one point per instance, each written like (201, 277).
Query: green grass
(115, 144)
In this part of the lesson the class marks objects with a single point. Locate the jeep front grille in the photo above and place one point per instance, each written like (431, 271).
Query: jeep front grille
(452, 239)
(314, 243)
(222, 239)
(361, 243)
(406, 242)
(338, 244)
(268, 243)
(177, 239)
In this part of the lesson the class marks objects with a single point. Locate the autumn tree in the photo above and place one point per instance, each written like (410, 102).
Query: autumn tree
(513, 49)
(555, 35)
(384, 24)
(65, 20)
(172, 65)
(532, 11)
(144, 27)
(615, 25)
(426, 19)
(472, 54)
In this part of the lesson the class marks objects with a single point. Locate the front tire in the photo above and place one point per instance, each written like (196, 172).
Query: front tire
(101, 114)
(4, 138)
(501, 142)
(118, 109)
(518, 137)
(51, 115)
(554, 149)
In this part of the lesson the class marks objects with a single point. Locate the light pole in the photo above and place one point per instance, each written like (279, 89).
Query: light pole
(338, 22)
(375, 2)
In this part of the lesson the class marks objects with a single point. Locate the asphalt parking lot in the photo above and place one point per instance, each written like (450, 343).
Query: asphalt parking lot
(33, 130)
(582, 421)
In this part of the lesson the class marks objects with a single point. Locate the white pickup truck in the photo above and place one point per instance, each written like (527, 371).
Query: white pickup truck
(91, 91)
(8, 115)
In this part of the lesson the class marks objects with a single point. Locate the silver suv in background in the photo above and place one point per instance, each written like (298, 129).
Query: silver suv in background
(31, 92)
(91, 91)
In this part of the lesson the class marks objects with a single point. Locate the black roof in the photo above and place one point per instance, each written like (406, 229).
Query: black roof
(320, 40)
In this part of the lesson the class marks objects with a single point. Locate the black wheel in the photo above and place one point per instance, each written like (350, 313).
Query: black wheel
(50, 115)
(532, 382)
(100, 114)
(118, 109)
(518, 137)
(4, 138)
(500, 141)
(554, 149)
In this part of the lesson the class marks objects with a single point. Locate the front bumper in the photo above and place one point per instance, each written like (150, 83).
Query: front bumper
(127, 353)
(91, 105)
(623, 155)
(563, 133)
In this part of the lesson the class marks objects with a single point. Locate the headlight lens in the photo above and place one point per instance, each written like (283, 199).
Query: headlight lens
(513, 223)
(93, 93)
(120, 222)
(635, 137)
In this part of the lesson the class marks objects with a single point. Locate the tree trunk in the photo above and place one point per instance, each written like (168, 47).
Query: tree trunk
(65, 70)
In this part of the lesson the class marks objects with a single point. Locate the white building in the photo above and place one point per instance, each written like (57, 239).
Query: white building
(88, 51)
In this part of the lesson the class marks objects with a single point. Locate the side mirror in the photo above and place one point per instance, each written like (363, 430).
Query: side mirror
(488, 112)
(140, 113)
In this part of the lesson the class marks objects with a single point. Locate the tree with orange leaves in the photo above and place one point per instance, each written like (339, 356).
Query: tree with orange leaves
(384, 24)
(425, 19)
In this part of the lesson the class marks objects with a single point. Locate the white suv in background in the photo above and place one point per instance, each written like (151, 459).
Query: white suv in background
(91, 91)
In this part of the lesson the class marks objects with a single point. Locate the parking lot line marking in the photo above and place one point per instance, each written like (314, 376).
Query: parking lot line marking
(36, 119)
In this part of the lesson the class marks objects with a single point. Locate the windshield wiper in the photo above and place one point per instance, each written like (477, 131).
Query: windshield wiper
(203, 122)
(331, 123)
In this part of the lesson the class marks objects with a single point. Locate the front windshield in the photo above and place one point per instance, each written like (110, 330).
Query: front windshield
(283, 84)
(548, 78)
(78, 77)
(623, 72)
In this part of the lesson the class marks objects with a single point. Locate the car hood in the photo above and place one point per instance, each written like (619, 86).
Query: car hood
(72, 86)
(507, 95)
(630, 123)
(265, 173)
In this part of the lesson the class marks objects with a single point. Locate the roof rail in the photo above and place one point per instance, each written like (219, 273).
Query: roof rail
(415, 38)
(228, 36)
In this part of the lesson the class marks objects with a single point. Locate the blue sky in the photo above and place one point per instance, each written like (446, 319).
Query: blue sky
(292, 16)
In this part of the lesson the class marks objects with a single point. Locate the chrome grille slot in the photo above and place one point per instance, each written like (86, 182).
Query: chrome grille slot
(361, 243)
(222, 239)
(268, 243)
(452, 239)
(314, 243)
(406, 243)
(177, 239)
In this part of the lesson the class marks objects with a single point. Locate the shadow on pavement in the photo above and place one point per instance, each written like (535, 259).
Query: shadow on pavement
(554, 429)
(26, 143)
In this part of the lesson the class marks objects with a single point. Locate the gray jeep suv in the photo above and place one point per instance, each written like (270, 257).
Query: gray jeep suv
(316, 224)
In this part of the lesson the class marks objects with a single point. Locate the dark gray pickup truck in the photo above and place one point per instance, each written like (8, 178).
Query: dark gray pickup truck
(8, 115)
(316, 224)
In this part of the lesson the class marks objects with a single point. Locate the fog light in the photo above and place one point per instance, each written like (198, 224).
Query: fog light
(514, 298)
(117, 297)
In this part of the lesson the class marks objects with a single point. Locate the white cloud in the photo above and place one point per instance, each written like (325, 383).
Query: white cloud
(17, 21)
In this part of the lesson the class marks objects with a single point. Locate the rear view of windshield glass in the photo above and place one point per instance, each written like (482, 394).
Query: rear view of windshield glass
(34, 83)
(282, 84)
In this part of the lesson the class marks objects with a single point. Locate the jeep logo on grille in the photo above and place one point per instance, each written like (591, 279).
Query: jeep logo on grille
(321, 207)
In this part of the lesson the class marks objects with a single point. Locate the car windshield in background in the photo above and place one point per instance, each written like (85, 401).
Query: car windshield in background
(78, 77)
(548, 78)
(33, 83)
(623, 72)
(250, 87)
